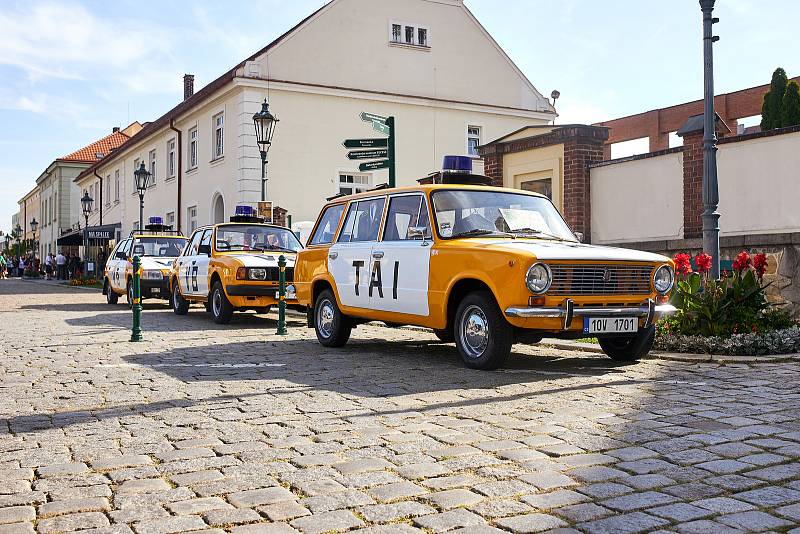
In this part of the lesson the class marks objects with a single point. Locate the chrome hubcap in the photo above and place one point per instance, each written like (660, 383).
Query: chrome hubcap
(474, 332)
(216, 302)
(325, 318)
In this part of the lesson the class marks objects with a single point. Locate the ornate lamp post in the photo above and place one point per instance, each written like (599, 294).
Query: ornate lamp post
(34, 224)
(142, 178)
(710, 184)
(86, 206)
(265, 123)
(18, 235)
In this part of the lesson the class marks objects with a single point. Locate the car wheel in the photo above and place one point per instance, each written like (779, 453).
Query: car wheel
(445, 336)
(129, 293)
(179, 304)
(482, 334)
(111, 297)
(332, 327)
(631, 348)
(221, 308)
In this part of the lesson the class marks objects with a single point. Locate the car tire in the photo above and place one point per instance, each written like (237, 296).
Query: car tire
(221, 307)
(111, 297)
(445, 336)
(483, 336)
(129, 293)
(333, 328)
(629, 349)
(179, 304)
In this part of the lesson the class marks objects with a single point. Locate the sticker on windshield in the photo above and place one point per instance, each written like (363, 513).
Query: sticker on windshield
(529, 220)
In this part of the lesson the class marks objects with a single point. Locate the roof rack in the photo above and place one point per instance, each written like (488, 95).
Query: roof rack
(337, 195)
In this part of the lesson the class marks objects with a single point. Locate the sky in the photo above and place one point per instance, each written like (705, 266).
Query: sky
(70, 70)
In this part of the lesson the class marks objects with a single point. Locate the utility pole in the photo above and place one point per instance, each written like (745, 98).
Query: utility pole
(710, 184)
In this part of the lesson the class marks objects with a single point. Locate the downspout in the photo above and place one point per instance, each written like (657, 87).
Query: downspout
(179, 142)
(101, 195)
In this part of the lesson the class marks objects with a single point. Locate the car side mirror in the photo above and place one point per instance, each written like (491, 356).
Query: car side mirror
(416, 232)
(121, 256)
(579, 236)
(204, 249)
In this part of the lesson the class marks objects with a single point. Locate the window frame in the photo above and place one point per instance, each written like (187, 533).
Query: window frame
(218, 129)
(320, 219)
(471, 136)
(424, 205)
(415, 34)
(363, 186)
(191, 153)
(116, 186)
(190, 218)
(152, 166)
(171, 163)
(347, 214)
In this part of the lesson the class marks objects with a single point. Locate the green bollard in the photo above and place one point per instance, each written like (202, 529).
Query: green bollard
(136, 334)
(282, 296)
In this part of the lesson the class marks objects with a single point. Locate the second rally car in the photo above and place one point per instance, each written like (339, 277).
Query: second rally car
(233, 266)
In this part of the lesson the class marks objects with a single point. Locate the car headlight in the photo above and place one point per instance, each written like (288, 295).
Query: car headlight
(663, 279)
(257, 274)
(538, 278)
(152, 275)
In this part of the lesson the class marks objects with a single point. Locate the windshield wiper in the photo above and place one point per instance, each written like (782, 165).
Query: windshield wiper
(481, 231)
(542, 233)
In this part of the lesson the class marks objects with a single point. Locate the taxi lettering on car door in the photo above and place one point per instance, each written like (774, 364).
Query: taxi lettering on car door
(388, 272)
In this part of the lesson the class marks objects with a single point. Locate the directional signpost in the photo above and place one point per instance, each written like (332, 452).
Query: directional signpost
(382, 149)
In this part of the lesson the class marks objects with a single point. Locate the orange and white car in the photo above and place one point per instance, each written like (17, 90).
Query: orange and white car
(482, 266)
(233, 266)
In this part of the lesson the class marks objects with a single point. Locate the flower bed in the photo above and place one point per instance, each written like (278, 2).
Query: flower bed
(83, 282)
(726, 316)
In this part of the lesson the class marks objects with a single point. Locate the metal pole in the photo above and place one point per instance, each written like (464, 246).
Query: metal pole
(263, 175)
(136, 332)
(282, 296)
(141, 211)
(390, 151)
(710, 185)
(85, 244)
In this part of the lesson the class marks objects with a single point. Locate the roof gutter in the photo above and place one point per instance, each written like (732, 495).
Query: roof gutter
(180, 172)
(101, 195)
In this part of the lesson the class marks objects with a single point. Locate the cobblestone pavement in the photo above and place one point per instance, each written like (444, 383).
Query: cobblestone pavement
(212, 428)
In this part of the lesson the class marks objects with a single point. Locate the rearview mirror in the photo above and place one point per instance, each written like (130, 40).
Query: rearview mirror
(579, 236)
(416, 232)
(204, 249)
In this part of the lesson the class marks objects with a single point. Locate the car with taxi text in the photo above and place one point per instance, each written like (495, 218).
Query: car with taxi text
(234, 266)
(484, 267)
(157, 247)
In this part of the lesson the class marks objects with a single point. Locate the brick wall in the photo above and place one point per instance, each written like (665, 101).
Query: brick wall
(493, 168)
(693, 184)
(579, 153)
(279, 216)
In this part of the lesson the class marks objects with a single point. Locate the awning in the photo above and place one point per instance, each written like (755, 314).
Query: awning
(72, 239)
(103, 233)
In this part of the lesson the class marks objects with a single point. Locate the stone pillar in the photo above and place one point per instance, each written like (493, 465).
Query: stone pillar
(580, 151)
(493, 166)
(693, 184)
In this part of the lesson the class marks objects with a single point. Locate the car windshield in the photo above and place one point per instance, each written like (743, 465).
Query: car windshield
(469, 213)
(258, 237)
(160, 247)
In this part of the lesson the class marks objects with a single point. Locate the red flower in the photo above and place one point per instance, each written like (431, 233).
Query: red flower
(760, 264)
(742, 262)
(703, 262)
(682, 265)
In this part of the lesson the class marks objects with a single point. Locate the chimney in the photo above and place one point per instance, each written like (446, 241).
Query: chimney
(188, 85)
(115, 129)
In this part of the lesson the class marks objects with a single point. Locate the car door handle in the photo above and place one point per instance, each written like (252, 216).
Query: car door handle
(333, 255)
(377, 254)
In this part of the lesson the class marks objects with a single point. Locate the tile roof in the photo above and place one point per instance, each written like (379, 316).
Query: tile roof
(97, 150)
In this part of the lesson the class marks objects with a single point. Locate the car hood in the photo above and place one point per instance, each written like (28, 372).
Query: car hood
(262, 260)
(156, 263)
(555, 250)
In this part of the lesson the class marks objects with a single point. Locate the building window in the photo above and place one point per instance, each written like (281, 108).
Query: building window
(422, 37)
(152, 159)
(193, 148)
(171, 218)
(352, 183)
(219, 135)
(97, 199)
(171, 158)
(191, 218)
(116, 185)
(91, 195)
(410, 35)
(397, 33)
(473, 140)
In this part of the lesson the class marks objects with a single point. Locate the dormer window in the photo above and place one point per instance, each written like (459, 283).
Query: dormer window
(409, 35)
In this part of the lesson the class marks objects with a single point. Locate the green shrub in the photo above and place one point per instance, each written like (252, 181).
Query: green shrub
(790, 108)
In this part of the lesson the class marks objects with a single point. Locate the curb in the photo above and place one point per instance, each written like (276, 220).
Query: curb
(59, 284)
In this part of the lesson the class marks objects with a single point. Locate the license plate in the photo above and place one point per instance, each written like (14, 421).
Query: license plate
(610, 325)
(156, 291)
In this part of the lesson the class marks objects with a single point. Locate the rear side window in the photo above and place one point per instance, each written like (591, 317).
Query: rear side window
(327, 226)
(126, 247)
(363, 221)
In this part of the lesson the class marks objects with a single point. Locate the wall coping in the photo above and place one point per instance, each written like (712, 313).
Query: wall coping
(733, 241)
(637, 157)
(554, 137)
(756, 135)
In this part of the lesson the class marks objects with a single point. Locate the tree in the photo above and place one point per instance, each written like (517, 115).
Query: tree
(790, 108)
(773, 101)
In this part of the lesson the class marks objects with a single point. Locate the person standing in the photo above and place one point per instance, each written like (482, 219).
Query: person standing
(2, 266)
(61, 262)
(21, 266)
(48, 266)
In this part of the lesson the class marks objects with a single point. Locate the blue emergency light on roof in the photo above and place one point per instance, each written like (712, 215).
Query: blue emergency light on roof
(156, 224)
(246, 214)
(457, 164)
(156, 220)
(245, 210)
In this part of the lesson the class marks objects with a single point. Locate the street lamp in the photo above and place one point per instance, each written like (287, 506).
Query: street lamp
(142, 178)
(18, 235)
(86, 206)
(265, 123)
(710, 185)
(34, 224)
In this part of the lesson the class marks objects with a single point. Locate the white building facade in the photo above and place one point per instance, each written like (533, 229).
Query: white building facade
(428, 63)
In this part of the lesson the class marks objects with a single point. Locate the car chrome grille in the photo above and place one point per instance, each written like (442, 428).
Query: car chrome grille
(600, 279)
(274, 272)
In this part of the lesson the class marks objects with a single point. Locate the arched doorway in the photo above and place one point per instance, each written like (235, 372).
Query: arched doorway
(219, 210)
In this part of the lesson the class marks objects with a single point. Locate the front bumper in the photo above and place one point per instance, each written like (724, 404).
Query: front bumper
(649, 310)
(152, 288)
(242, 290)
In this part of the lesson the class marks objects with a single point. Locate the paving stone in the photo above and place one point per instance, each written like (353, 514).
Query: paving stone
(638, 501)
(421, 470)
(71, 506)
(579, 513)
(17, 528)
(645, 482)
(531, 523)
(129, 460)
(704, 526)
(777, 473)
(284, 510)
(337, 501)
(555, 499)
(546, 480)
(770, 496)
(680, 512)
(754, 521)
(384, 513)
(148, 485)
(265, 528)
(692, 490)
(452, 498)
(198, 506)
(70, 522)
(495, 508)
(326, 522)
(451, 482)
(724, 505)
(220, 517)
(449, 520)
(72, 468)
(724, 467)
(395, 491)
(734, 482)
(605, 490)
(169, 525)
(624, 523)
(504, 488)
(250, 498)
(17, 514)
(188, 479)
(363, 465)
